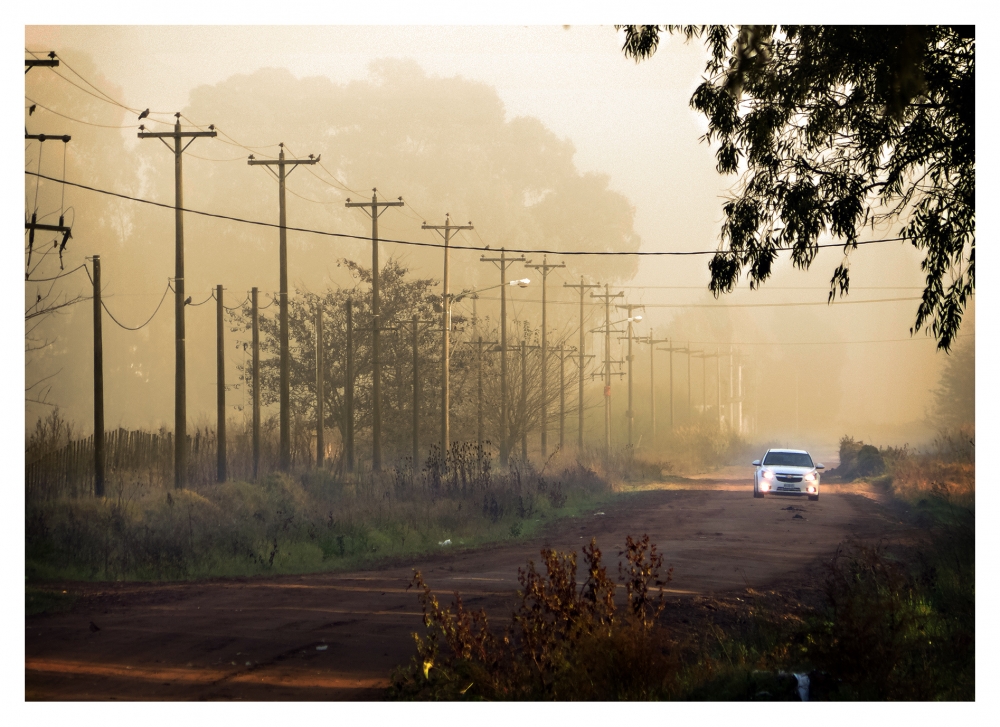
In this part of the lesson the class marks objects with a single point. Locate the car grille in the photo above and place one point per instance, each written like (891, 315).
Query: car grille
(789, 478)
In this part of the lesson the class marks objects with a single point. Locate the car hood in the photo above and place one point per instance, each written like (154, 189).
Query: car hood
(786, 470)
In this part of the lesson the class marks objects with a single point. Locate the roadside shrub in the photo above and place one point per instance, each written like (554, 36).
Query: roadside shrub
(564, 641)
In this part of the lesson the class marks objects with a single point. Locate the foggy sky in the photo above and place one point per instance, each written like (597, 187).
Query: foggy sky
(541, 136)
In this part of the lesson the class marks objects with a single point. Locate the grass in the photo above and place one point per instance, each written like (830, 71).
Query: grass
(315, 521)
(39, 600)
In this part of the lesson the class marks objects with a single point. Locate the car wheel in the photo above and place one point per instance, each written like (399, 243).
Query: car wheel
(757, 493)
(813, 498)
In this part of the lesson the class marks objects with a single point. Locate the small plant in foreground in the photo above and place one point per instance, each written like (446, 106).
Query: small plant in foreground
(563, 641)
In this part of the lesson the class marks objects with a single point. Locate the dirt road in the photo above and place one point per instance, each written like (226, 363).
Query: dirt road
(337, 636)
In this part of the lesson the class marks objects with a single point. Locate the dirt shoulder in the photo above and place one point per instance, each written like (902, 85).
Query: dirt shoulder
(338, 635)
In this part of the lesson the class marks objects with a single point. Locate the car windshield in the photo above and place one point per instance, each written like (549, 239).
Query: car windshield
(788, 459)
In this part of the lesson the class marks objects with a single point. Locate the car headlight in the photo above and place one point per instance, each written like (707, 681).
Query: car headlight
(766, 474)
(810, 477)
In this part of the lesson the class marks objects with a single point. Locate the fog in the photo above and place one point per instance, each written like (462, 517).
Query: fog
(543, 138)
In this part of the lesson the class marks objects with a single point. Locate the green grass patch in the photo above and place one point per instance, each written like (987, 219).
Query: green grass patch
(38, 601)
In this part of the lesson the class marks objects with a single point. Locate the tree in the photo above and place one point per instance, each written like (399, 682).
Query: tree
(955, 397)
(834, 128)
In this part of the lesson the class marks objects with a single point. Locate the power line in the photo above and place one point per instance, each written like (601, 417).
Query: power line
(722, 305)
(815, 343)
(599, 253)
(111, 315)
(79, 121)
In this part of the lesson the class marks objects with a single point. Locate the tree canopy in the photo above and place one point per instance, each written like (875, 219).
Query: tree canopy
(835, 128)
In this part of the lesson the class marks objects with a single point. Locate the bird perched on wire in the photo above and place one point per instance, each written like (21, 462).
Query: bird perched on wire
(188, 301)
(144, 114)
(31, 109)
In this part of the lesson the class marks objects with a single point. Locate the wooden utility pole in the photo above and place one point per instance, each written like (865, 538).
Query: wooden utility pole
(374, 213)
(479, 388)
(562, 396)
(98, 384)
(180, 353)
(690, 414)
(581, 354)
(524, 401)
(284, 400)
(718, 388)
(349, 392)
(34, 224)
(416, 390)
(255, 357)
(652, 342)
(630, 414)
(608, 297)
(672, 349)
(503, 262)
(220, 385)
(320, 419)
(704, 355)
(544, 268)
(445, 231)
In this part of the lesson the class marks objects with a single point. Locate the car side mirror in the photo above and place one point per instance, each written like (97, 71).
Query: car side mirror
(820, 467)
(756, 463)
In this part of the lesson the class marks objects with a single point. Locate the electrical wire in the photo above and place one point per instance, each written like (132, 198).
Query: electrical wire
(211, 296)
(414, 243)
(239, 306)
(80, 121)
(716, 305)
(111, 315)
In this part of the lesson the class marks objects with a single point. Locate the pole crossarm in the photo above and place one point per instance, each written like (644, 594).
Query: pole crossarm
(51, 62)
(64, 138)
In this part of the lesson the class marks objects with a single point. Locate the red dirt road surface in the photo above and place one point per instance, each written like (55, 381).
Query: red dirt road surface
(338, 635)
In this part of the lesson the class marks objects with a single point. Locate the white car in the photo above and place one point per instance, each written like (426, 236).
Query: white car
(786, 472)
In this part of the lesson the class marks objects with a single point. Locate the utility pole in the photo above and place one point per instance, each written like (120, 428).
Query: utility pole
(583, 287)
(732, 398)
(607, 296)
(689, 352)
(544, 268)
(479, 388)
(180, 353)
(255, 358)
(630, 414)
(416, 390)
(652, 342)
(524, 400)
(98, 384)
(718, 388)
(220, 374)
(562, 396)
(704, 399)
(739, 396)
(376, 324)
(416, 394)
(672, 349)
(349, 391)
(503, 262)
(34, 224)
(284, 423)
(445, 231)
(320, 445)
